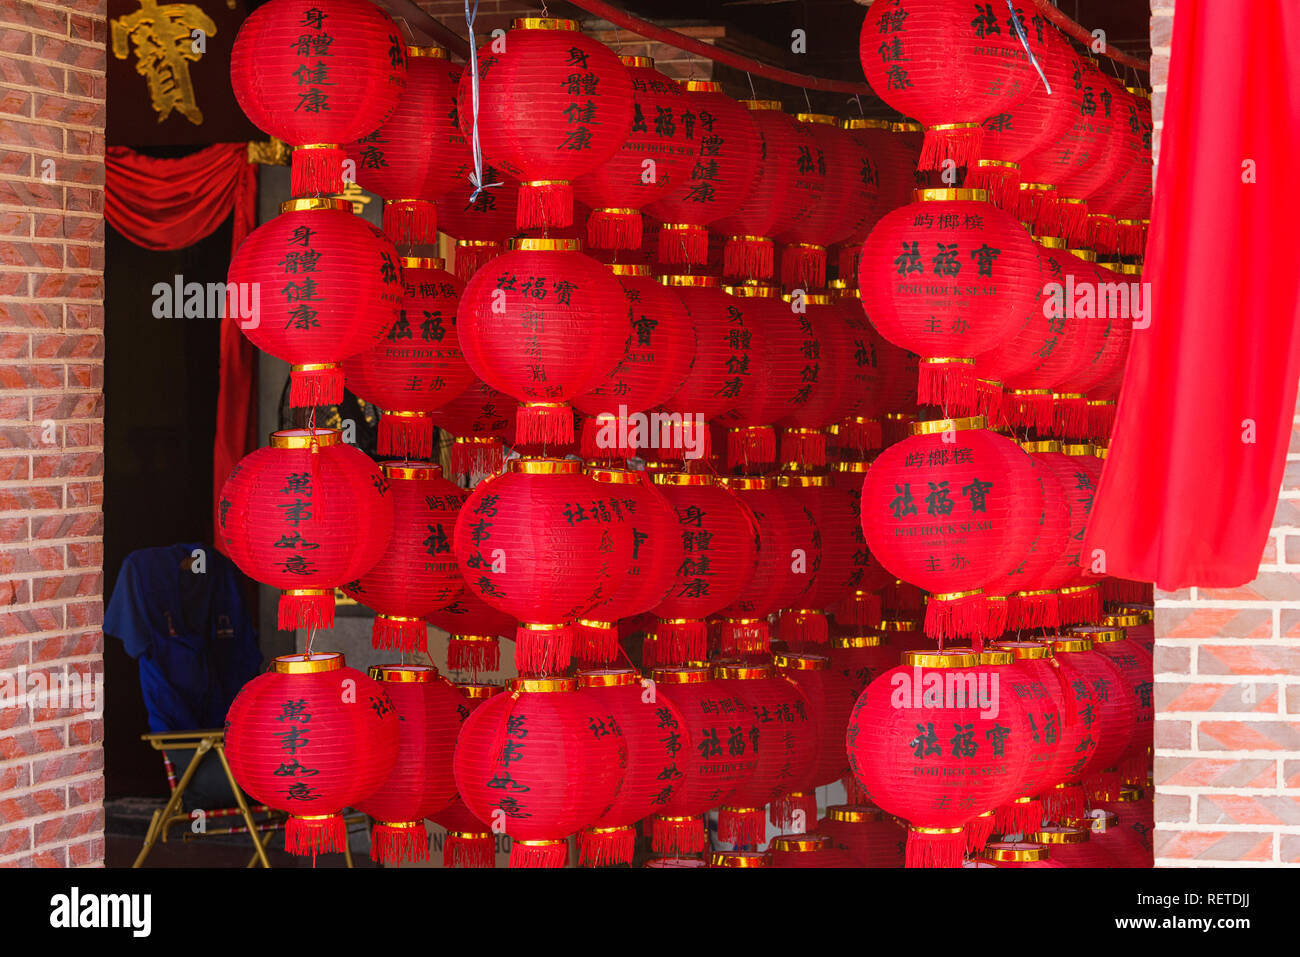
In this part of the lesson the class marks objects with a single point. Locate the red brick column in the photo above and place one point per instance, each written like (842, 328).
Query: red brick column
(52, 57)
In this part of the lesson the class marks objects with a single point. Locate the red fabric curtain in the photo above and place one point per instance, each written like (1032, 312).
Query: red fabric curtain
(171, 204)
(1189, 489)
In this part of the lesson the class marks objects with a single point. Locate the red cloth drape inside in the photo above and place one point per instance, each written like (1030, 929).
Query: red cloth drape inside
(173, 203)
(1187, 498)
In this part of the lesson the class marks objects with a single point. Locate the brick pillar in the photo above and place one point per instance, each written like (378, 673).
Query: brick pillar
(1227, 766)
(52, 59)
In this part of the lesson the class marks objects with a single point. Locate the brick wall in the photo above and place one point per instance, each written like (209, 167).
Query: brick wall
(52, 57)
(1227, 766)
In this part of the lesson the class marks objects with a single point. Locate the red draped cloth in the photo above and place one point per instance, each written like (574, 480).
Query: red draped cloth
(1190, 485)
(171, 204)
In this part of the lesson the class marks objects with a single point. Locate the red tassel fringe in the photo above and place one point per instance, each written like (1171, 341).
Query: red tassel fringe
(471, 258)
(411, 222)
(545, 652)
(405, 436)
(317, 171)
(862, 436)
(399, 634)
(1024, 817)
(803, 266)
(461, 850)
(968, 617)
(1101, 420)
(544, 206)
(679, 642)
(948, 385)
(990, 401)
(550, 854)
(1065, 803)
(744, 637)
(608, 229)
(751, 445)
(1034, 611)
(1001, 182)
(782, 812)
(748, 258)
(962, 146)
(477, 655)
(681, 245)
(305, 611)
(1080, 607)
(589, 441)
(979, 831)
(677, 837)
(595, 645)
(312, 387)
(1070, 416)
(863, 610)
(477, 458)
(327, 835)
(934, 850)
(804, 446)
(1033, 410)
(544, 424)
(395, 845)
(742, 826)
(804, 625)
(606, 847)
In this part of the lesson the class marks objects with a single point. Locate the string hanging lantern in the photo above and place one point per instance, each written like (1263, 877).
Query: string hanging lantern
(862, 604)
(830, 700)
(318, 74)
(481, 224)
(1088, 725)
(473, 630)
(887, 167)
(1134, 667)
(417, 574)
(421, 783)
(468, 842)
(311, 737)
(867, 834)
(305, 515)
(334, 288)
(1098, 381)
(885, 374)
(580, 100)
(826, 371)
(417, 365)
(544, 760)
(1030, 603)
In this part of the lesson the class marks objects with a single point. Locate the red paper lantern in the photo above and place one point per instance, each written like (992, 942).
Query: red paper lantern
(952, 509)
(827, 370)
(1070, 847)
(712, 772)
(417, 573)
(924, 746)
(719, 540)
(544, 324)
(473, 628)
(658, 349)
(949, 277)
(1100, 379)
(950, 64)
(1134, 668)
(305, 515)
(416, 366)
(726, 165)
(421, 783)
(869, 836)
(311, 737)
(1121, 847)
(650, 570)
(1078, 471)
(553, 105)
(317, 74)
(480, 225)
(468, 842)
(891, 167)
(740, 859)
(862, 658)
(806, 850)
(655, 157)
(1020, 854)
(419, 153)
(544, 762)
(862, 606)
(1136, 827)
(658, 751)
(893, 372)
(333, 288)
(830, 700)
(480, 420)
(546, 581)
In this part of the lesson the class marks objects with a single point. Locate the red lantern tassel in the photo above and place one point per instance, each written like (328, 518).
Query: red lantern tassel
(749, 257)
(539, 853)
(1022, 816)
(595, 642)
(543, 649)
(848, 258)
(959, 142)
(1080, 604)
(606, 846)
(1070, 415)
(394, 842)
(468, 849)
(862, 609)
(804, 446)
(407, 435)
(315, 834)
(960, 615)
(782, 812)
(683, 244)
(316, 170)
(998, 610)
(1064, 802)
(807, 625)
(473, 254)
(854, 794)
(742, 826)
(1102, 233)
(680, 640)
(1034, 206)
(1125, 591)
(1105, 786)
(676, 836)
(544, 204)
(1135, 768)
(1072, 218)
(1029, 408)
(1131, 237)
(320, 383)
(989, 400)
(544, 423)
(744, 636)
(1101, 419)
(1000, 178)
(476, 456)
(614, 229)
(862, 435)
(596, 430)
(752, 445)
(396, 633)
(1034, 609)
(980, 830)
(305, 608)
(934, 847)
(473, 652)
(411, 222)
(803, 266)
(948, 383)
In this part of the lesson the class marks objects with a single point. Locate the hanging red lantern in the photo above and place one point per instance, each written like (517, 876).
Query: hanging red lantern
(726, 165)
(473, 630)
(1099, 380)
(901, 751)
(480, 225)
(1119, 846)
(861, 606)
(830, 700)
(544, 324)
(862, 658)
(480, 421)
(658, 350)
(1134, 669)
(806, 850)
(658, 751)
(417, 574)
(892, 372)
(468, 842)
(579, 103)
(778, 726)
(1070, 847)
(1130, 164)
(970, 521)
(544, 581)
(1108, 150)
(1133, 216)
(655, 158)
(318, 74)
(988, 279)
(305, 515)
(719, 540)
(950, 64)
(544, 761)
(333, 288)
(649, 572)
(826, 370)
(891, 169)
(868, 835)
(419, 153)
(1131, 840)
(416, 366)
(311, 737)
(1071, 415)
(421, 783)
